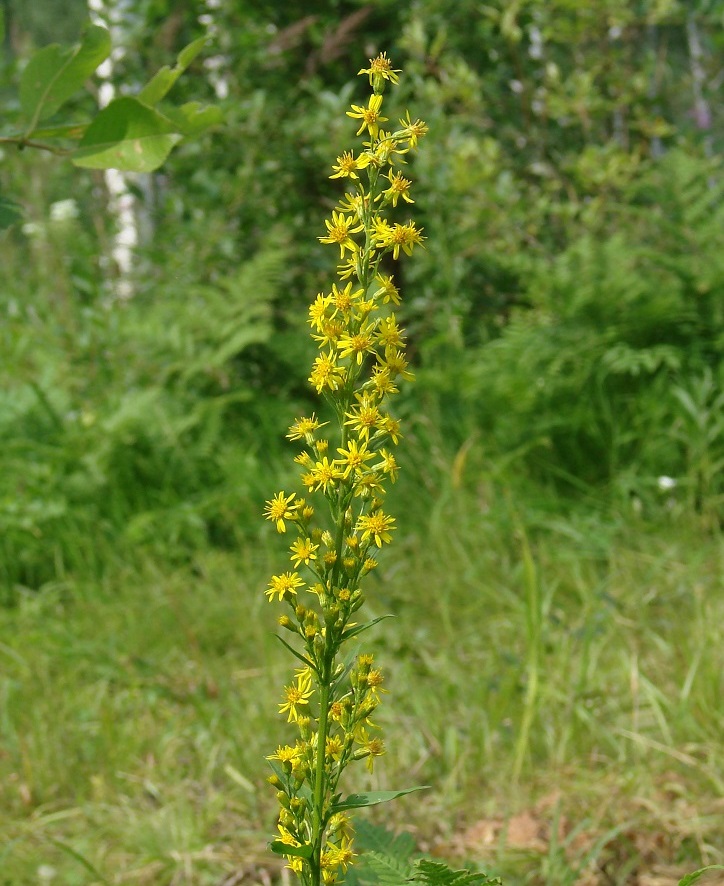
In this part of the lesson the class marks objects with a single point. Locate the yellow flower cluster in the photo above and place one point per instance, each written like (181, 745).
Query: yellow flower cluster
(360, 364)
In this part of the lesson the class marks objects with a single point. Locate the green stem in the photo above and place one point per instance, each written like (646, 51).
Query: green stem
(23, 142)
(319, 785)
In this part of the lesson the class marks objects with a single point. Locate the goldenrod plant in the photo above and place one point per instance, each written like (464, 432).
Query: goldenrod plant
(346, 463)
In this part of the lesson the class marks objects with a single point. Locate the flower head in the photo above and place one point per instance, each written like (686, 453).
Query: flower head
(284, 585)
(278, 510)
(377, 527)
(297, 695)
(339, 230)
(381, 69)
(370, 116)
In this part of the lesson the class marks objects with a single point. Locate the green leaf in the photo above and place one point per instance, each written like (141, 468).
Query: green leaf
(126, 135)
(299, 655)
(352, 632)
(10, 212)
(388, 870)
(372, 798)
(75, 131)
(55, 73)
(693, 877)
(281, 848)
(435, 873)
(193, 118)
(162, 81)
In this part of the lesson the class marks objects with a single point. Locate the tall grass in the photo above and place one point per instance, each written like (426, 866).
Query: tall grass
(134, 724)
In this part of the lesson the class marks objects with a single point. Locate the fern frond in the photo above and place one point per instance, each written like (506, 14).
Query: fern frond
(435, 873)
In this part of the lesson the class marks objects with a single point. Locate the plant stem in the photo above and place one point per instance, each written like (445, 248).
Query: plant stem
(319, 781)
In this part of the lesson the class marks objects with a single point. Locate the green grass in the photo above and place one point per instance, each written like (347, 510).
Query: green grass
(560, 674)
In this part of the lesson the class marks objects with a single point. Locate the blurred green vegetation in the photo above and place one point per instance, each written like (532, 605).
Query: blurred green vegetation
(566, 323)
(567, 313)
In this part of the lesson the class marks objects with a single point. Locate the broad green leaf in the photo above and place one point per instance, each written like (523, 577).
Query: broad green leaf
(55, 73)
(162, 81)
(126, 135)
(693, 877)
(10, 212)
(193, 118)
(282, 848)
(372, 798)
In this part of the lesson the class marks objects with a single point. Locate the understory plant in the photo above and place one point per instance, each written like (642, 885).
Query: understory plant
(346, 463)
(341, 524)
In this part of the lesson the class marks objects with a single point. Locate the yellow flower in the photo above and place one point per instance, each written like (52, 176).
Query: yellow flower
(348, 164)
(413, 131)
(334, 747)
(285, 754)
(388, 292)
(339, 230)
(344, 299)
(388, 465)
(369, 747)
(318, 310)
(324, 474)
(357, 345)
(370, 116)
(278, 510)
(304, 427)
(389, 333)
(331, 333)
(375, 680)
(286, 583)
(381, 69)
(363, 417)
(381, 381)
(326, 373)
(391, 427)
(354, 458)
(303, 551)
(297, 695)
(354, 202)
(286, 837)
(395, 363)
(398, 237)
(368, 485)
(399, 187)
(377, 527)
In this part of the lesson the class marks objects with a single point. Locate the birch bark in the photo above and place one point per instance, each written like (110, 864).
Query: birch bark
(121, 202)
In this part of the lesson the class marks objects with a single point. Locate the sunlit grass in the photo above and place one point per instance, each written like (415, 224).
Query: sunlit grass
(135, 712)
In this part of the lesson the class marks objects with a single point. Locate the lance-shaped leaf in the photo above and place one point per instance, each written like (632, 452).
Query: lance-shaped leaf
(55, 73)
(162, 81)
(357, 629)
(127, 135)
(693, 877)
(372, 798)
(302, 658)
(282, 848)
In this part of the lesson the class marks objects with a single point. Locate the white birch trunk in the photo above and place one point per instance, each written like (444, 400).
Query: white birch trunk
(215, 64)
(121, 202)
